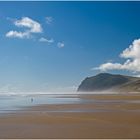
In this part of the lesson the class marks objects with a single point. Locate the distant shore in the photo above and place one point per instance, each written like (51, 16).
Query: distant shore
(110, 116)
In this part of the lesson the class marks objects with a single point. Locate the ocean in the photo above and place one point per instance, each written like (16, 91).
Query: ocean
(12, 103)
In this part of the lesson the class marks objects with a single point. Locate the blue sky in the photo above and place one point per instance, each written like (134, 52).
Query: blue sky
(52, 46)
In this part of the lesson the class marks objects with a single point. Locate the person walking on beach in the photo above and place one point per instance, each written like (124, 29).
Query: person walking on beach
(32, 100)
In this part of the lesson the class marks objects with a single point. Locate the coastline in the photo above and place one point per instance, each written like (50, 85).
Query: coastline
(99, 119)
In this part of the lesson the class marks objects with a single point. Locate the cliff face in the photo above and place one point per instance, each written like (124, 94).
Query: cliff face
(106, 81)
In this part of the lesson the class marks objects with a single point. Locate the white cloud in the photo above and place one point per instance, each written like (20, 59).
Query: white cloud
(49, 20)
(42, 39)
(60, 45)
(132, 63)
(13, 34)
(26, 22)
(133, 51)
(33, 26)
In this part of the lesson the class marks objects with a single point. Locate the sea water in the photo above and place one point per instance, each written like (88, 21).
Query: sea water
(15, 102)
(10, 103)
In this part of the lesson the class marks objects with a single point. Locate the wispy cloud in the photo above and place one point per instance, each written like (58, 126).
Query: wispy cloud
(49, 20)
(42, 39)
(132, 63)
(60, 45)
(30, 25)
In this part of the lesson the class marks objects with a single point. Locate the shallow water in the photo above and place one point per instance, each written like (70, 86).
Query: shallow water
(14, 103)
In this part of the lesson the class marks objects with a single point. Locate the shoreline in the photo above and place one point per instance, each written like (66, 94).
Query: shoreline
(106, 120)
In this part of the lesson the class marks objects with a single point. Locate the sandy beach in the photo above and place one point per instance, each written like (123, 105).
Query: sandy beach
(104, 118)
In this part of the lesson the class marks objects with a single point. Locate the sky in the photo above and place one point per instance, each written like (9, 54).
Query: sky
(53, 46)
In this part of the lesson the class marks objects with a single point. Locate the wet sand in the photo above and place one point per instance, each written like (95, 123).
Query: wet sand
(100, 119)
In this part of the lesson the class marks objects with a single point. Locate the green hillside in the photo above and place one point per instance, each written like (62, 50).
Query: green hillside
(106, 81)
